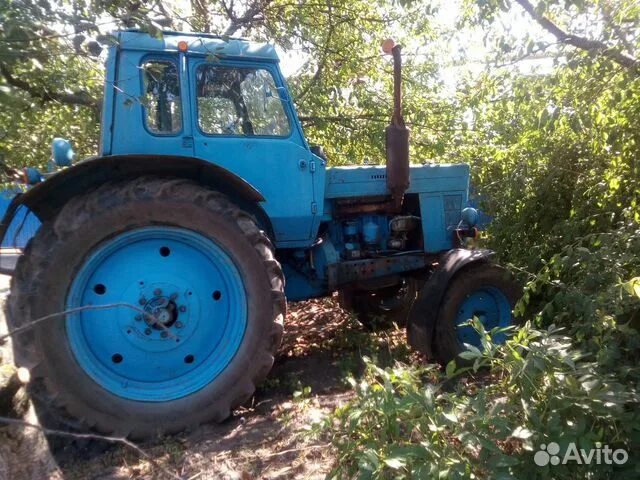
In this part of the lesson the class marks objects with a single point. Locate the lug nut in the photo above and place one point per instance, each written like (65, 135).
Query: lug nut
(138, 318)
(147, 331)
(178, 324)
(164, 334)
(183, 308)
(157, 292)
(142, 301)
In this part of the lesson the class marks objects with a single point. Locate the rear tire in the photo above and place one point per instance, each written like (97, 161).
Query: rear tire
(61, 251)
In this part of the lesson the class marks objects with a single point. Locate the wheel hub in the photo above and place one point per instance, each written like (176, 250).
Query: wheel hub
(491, 307)
(167, 319)
(162, 312)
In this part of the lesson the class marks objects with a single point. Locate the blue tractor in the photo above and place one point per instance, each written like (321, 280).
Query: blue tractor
(175, 249)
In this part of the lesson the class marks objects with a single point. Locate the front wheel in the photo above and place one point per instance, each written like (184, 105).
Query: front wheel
(178, 252)
(485, 291)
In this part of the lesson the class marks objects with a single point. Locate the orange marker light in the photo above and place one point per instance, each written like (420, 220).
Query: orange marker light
(183, 46)
(388, 45)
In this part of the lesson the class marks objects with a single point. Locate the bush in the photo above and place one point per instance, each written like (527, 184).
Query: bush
(417, 422)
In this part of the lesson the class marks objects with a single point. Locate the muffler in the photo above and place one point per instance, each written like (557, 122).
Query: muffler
(397, 133)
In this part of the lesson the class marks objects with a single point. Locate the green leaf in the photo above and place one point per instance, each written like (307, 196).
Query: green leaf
(450, 370)
(522, 432)
(451, 416)
(395, 462)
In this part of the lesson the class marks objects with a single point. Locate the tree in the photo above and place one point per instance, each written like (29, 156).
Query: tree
(615, 52)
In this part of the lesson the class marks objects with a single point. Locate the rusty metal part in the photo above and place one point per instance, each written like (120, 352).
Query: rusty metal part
(361, 270)
(345, 209)
(397, 138)
(397, 86)
(378, 283)
(459, 234)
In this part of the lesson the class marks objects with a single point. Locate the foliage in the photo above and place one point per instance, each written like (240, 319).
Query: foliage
(415, 422)
(50, 79)
(554, 156)
(26, 132)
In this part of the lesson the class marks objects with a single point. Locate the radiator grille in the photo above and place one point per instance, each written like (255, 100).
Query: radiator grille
(452, 208)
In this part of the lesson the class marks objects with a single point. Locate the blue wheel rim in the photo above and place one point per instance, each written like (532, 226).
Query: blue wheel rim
(492, 307)
(184, 279)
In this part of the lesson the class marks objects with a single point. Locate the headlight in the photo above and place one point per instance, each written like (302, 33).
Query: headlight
(469, 216)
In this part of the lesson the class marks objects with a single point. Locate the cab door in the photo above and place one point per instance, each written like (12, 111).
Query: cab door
(244, 122)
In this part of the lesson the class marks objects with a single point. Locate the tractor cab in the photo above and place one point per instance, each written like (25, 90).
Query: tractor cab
(220, 100)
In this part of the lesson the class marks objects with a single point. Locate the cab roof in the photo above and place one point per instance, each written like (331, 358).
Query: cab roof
(198, 43)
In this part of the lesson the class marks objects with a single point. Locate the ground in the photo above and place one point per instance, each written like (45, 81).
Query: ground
(271, 436)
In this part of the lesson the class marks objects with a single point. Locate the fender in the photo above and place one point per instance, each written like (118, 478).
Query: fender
(47, 198)
(424, 312)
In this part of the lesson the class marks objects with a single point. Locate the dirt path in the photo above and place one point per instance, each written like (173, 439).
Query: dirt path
(269, 438)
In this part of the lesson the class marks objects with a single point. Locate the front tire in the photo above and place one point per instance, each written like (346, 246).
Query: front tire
(177, 250)
(486, 291)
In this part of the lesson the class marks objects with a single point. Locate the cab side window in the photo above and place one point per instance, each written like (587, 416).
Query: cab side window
(161, 97)
(239, 101)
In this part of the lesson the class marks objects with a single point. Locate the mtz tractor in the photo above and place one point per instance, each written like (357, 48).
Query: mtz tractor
(174, 251)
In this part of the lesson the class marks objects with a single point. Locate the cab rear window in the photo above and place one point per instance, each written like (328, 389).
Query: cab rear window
(161, 97)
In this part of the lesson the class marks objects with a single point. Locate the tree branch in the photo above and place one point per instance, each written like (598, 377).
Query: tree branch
(323, 57)
(249, 16)
(607, 14)
(582, 43)
(76, 98)
(341, 118)
(201, 15)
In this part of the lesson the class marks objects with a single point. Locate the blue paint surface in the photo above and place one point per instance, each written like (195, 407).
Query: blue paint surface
(371, 180)
(476, 200)
(24, 224)
(491, 307)
(182, 278)
(201, 44)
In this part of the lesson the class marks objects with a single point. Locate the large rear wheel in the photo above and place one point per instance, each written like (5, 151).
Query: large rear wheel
(209, 302)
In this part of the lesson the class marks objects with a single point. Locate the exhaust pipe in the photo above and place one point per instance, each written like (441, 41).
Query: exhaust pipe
(397, 133)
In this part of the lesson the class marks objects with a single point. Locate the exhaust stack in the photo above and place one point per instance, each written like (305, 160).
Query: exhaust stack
(397, 133)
